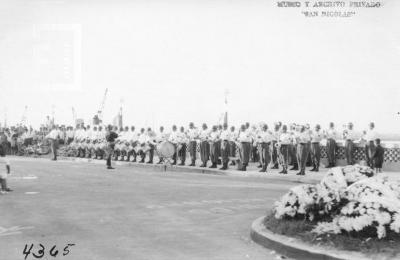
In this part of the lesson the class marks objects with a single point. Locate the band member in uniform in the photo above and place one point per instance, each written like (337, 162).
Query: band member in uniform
(255, 151)
(224, 137)
(316, 138)
(100, 143)
(174, 139)
(182, 143)
(370, 136)
(245, 147)
(265, 139)
(161, 137)
(133, 140)
(348, 136)
(331, 136)
(142, 145)
(293, 147)
(204, 145)
(232, 144)
(302, 152)
(285, 141)
(54, 136)
(92, 141)
(110, 138)
(70, 134)
(214, 139)
(193, 136)
(274, 147)
(151, 142)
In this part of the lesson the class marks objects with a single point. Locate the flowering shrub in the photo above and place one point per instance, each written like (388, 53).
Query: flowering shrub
(319, 201)
(297, 202)
(348, 199)
(373, 203)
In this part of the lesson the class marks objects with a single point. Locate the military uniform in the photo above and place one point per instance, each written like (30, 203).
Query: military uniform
(174, 139)
(370, 147)
(214, 153)
(204, 147)
(193, 137)
(316, 138)
(245, 147)
(302, 151)
(285, 143)
(225, 137)
(349, 138)
(265, 140)
(331, 136)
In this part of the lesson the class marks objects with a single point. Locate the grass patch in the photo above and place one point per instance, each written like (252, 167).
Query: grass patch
(301, 229)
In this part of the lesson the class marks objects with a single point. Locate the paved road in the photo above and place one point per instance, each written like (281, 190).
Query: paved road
(132, 213)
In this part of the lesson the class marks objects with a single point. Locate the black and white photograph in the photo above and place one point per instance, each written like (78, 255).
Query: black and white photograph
(199, 130)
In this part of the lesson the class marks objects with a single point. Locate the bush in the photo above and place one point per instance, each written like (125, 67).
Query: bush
(348, 199)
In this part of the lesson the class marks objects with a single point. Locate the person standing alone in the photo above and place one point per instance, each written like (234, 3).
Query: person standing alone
(110, 138)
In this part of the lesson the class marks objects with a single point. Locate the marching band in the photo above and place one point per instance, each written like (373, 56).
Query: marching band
(283, 146)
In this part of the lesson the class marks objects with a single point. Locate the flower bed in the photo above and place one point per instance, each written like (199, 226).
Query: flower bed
(349, 201)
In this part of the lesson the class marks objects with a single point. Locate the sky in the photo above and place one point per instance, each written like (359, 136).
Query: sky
(170, 62)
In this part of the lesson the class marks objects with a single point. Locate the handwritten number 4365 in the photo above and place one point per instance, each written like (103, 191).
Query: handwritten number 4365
(41, 252)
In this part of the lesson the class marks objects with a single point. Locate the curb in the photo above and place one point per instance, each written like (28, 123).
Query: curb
(174, 168)
(295, 248)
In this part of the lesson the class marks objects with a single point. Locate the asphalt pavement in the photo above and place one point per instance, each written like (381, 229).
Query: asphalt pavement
(131, 213)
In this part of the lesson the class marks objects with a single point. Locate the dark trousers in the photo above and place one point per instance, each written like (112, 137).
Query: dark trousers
(232, 149)
(193, 151)
(293, 155)
(331, 152)
(204, 152)
(255, 154)
(274, 154)
(369, 153)
(151, 153)
(69, 140)
(54, 147)
(348, 150)
(302, 156)
(174, 157)
(182, 153)
(109, 152)
(315, 155)
(214, 152)
(245, 153)
(225, 150)
(265, 155)
(132, 153)
(218, 151)
(284, 150)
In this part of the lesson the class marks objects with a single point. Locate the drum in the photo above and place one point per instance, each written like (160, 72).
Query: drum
(165, 149)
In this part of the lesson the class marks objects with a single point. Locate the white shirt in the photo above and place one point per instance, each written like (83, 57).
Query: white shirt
(161, 137)
(193, 134)
(173, 137)
(316, 136)
(226, 135)
(265, 137)
(331, 134)
(214, 136)
(204, 135)
(54, 134)
(142, 138)
(244, 137)
(371, 135)
(285, 138)
(349, 134)
(304, 137)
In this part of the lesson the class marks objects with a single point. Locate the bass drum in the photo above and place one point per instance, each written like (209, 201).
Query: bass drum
(166, 149)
